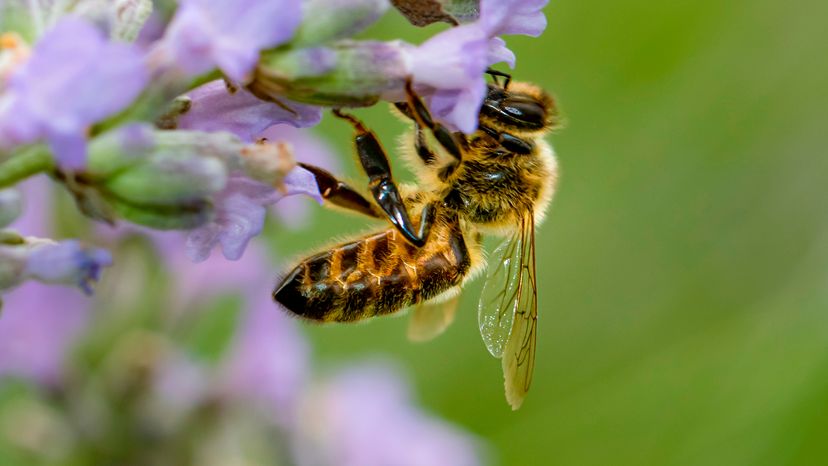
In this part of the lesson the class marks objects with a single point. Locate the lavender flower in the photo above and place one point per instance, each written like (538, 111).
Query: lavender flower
(227, 34)
(268, 363)
(73, 79)
(363, 416)
(66, 263)
(448, 69)
(452, 63)
(501, 17)
(240, 213)
(458, 103)
(38, 324)
(213, 108)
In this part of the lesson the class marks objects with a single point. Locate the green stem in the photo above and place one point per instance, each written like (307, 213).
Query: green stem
(24, 163)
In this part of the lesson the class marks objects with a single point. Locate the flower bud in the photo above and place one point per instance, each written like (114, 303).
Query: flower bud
(169, 178)
(346, 73)
(184, 216)
(10, 206)
(161, 179)
(65, 262)
(328, 20)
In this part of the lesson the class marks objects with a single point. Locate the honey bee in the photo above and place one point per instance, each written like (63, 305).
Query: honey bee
(497, 181)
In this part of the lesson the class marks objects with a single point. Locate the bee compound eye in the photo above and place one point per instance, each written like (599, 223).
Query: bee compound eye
(524, 111)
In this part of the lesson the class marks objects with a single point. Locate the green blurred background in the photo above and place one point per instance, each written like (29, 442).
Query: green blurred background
(683, 265)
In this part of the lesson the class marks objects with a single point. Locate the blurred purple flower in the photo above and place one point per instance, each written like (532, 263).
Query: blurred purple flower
(364, 416)
(68, 263)
(38, 324)
(240, 213)
(74, 78)
(268, 363)
(213, 108)
(227, 34)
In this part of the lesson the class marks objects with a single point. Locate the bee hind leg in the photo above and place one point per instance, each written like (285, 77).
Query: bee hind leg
(374, 162)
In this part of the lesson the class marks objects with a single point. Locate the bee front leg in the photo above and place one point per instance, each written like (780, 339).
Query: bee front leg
(417, 111)
(374, 162)
(338, 193)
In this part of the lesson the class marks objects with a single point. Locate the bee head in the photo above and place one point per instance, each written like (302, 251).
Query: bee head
(520, 107)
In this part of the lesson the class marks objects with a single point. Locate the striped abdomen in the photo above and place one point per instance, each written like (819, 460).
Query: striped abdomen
(375, 275)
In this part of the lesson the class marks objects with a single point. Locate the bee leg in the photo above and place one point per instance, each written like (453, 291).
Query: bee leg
(509, 142)
(375, 164)
(420, 144)
(420, 114)
(338, 193)
(494, 74)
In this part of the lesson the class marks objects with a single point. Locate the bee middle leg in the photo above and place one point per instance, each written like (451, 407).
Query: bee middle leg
(374, 162)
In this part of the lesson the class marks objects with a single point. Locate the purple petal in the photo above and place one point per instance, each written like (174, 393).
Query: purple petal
(215, 109)
(453, 63)
(498, 52)
(240, 213)
(67, 263)
(452, 58)
(513, 17)
(293, 211)
(39, 323)
(69, 148)
(459, 109)
(228, 34)
(74, 78)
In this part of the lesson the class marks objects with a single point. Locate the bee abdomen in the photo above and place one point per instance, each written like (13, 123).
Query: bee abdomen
(380, 274)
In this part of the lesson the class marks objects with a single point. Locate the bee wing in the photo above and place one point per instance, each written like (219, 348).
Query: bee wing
(499, 298)
(519, 354)
(430, 319)
(508, 309)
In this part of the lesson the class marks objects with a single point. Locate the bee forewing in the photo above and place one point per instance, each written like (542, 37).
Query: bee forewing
(498, 300)
(519, 354)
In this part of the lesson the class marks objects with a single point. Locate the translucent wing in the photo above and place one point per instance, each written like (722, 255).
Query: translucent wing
(499, 297)
(519, 354)
(430, 319)
(508, 309)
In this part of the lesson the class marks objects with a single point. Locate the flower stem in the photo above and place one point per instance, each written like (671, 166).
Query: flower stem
(27, 161)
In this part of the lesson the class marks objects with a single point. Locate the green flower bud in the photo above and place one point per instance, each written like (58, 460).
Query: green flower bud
(327, 20)
(184, 216)
(346, 73)
(161, 179)
(10, 206)
(169, 178)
